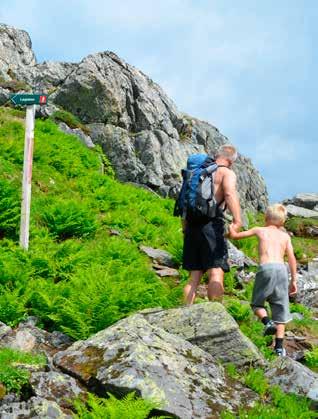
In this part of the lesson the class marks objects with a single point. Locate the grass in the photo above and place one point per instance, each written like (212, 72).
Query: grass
(298, 225)
(70, 120)
(12, 374)
(273, 403)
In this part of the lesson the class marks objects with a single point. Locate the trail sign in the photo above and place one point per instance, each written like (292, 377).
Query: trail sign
(28, 99)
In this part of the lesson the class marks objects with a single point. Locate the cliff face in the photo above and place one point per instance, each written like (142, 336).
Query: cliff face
(140, 129)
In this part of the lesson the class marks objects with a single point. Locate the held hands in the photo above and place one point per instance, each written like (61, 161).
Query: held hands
(233, 230)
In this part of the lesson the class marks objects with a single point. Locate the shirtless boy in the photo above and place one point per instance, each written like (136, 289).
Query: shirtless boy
(271, 282)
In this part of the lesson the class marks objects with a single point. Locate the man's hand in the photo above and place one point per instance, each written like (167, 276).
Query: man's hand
(293, 287)
(233, 230)
(236, 225)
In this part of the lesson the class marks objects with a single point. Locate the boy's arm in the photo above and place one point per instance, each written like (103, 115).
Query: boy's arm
(243, 234)
(292, 266)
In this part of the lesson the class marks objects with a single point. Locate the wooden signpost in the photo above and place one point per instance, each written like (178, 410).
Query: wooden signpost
(30, 100)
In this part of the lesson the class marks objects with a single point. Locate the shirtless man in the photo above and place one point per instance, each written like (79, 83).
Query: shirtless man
(205, 248)
(271, 282)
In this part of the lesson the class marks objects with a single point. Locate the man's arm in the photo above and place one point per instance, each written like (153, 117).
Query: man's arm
(231, 198)
(292, 266)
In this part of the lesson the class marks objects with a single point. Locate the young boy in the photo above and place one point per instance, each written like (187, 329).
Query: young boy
(271, 282)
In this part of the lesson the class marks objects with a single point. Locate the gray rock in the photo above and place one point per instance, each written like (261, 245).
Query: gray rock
(116, 93)
(133, 355)
(161, 257)
(293, 377)
(209, 326)
(55, 386)
(4, 329)
(307, 283)
(35, 408)
(304, 200)
(163, 271)
(238, 258)
(4, 96)
(15, 51)
(294, 211)
(84, 138)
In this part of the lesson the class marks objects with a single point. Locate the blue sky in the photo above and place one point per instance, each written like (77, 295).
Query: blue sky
(248, 67)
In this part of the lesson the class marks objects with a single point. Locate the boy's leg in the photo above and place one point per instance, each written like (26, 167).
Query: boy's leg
(190, 289)
(280, 333)
(261, 313)
(215, 286)
(269, 326)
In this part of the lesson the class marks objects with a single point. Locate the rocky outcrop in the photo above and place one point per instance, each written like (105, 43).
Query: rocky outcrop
(15, 51)
(35, 408)
(293, 377)
(145, 136)
(210, 327)
(135, 355)
(304, 200)
(308, 285)
(294, 211)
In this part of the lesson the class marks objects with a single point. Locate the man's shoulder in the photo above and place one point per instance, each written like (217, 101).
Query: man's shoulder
(227, 173)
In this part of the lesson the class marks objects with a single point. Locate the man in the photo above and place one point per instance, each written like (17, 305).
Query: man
(205, 247)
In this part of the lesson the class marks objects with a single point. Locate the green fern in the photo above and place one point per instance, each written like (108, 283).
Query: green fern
(129, 407)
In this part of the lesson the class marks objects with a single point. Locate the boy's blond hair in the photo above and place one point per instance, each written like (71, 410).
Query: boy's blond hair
(276, 214)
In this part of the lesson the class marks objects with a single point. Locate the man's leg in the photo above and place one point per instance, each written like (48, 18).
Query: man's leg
(191, 287)
(215, 287)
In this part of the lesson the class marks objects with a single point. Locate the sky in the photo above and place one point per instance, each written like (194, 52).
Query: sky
(248, 67)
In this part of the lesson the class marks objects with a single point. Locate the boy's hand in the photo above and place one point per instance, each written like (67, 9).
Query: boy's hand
(293, 288)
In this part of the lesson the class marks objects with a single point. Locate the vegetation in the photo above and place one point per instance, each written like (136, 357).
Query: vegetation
(12, 374)
(76, 277)
(70, 120)
(14, 85)
(274, 404)
(299, 225)
(129, 407)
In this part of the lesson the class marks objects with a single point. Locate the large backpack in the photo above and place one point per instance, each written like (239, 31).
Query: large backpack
(196, 198)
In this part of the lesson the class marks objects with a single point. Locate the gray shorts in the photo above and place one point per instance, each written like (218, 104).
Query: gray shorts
(271, 284)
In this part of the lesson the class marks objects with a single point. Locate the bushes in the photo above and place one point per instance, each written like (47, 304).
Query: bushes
(70, 120)
(9, 209)
(69, 219)
(130, 407)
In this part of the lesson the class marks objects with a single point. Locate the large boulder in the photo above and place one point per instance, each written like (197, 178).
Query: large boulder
(293, 377)
(135, 355)
(210, 327)
(304, 200)
(294, 211)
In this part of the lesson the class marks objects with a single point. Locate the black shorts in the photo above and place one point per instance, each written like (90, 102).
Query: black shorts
(205, 247)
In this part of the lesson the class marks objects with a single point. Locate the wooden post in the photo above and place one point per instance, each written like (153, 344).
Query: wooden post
(27, 177)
